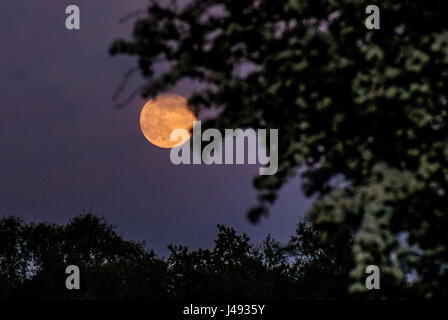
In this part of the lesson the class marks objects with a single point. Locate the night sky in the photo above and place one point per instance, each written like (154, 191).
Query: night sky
(64, 147)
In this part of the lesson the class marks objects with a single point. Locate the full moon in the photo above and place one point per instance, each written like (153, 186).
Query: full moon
(161, 115)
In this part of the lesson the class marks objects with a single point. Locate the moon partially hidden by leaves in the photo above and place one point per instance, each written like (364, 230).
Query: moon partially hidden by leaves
(163, 114)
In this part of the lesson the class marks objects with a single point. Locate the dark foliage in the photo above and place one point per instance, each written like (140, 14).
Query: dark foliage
(33, 258)
(365, 107)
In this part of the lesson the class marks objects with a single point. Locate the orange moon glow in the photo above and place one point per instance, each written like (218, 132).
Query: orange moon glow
(161, 115)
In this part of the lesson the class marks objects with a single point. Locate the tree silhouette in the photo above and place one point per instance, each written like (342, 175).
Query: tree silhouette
(362, 113)
(33, 258)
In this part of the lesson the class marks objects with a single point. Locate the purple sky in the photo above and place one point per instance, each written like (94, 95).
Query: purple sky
(65, 148)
